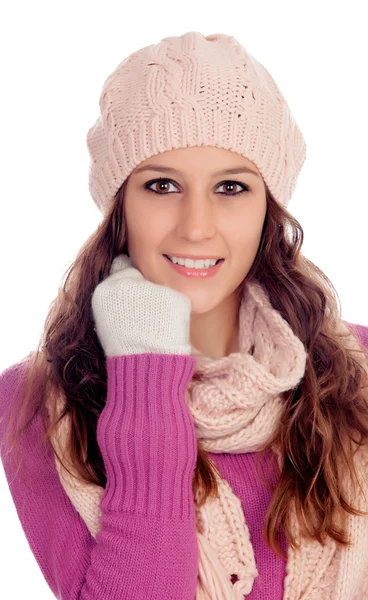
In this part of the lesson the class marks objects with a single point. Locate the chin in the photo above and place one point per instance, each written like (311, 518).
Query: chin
(201, 306)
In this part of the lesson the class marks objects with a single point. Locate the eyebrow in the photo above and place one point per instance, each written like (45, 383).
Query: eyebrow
(241, 169)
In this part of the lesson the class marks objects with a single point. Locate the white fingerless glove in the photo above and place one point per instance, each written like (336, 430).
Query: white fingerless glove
(135, 316)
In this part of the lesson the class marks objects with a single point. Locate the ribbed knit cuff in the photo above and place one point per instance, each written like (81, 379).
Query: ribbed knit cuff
(147, 436)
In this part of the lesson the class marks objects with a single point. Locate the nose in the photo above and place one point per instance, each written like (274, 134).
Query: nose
(197, 218)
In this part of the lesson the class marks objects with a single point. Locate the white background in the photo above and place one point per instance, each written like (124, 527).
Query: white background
(54, 60)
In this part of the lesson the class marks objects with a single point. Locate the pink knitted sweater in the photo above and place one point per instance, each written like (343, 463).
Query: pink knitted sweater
(146, 552)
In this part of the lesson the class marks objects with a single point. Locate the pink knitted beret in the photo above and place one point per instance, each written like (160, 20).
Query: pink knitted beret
(192, 90)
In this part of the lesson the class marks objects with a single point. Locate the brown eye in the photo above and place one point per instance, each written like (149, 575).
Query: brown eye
(161, 190)
(159, 185)
(232, 185)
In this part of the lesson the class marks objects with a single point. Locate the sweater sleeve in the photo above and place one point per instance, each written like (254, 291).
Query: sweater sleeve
(147, 544)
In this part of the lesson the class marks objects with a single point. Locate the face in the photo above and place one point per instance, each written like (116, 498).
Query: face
(189, 213)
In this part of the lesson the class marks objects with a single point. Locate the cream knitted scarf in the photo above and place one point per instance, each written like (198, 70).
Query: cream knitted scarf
(236, 406)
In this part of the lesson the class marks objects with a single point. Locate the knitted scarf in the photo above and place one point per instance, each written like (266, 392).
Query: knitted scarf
(236, 406)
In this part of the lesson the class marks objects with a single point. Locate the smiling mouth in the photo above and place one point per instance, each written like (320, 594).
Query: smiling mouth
(174, 263)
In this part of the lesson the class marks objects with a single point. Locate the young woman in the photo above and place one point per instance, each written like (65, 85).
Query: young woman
(194, 422)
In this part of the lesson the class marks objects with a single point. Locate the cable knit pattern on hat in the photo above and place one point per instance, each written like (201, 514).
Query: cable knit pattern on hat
(193, 90)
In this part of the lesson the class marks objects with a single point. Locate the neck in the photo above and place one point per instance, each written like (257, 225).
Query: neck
(215, 334)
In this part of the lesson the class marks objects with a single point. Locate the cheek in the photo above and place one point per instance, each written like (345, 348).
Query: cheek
(247, 236)
(144, 230)
(136, 221)
(253, 225)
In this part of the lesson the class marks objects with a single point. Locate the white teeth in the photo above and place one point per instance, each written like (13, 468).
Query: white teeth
(196, 264)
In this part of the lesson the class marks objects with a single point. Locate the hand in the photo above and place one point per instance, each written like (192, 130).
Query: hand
(136, 316)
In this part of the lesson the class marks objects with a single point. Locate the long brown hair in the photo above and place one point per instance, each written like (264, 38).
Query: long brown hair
(325, 419)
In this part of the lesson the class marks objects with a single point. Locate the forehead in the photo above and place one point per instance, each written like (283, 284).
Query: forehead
(197, 159)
